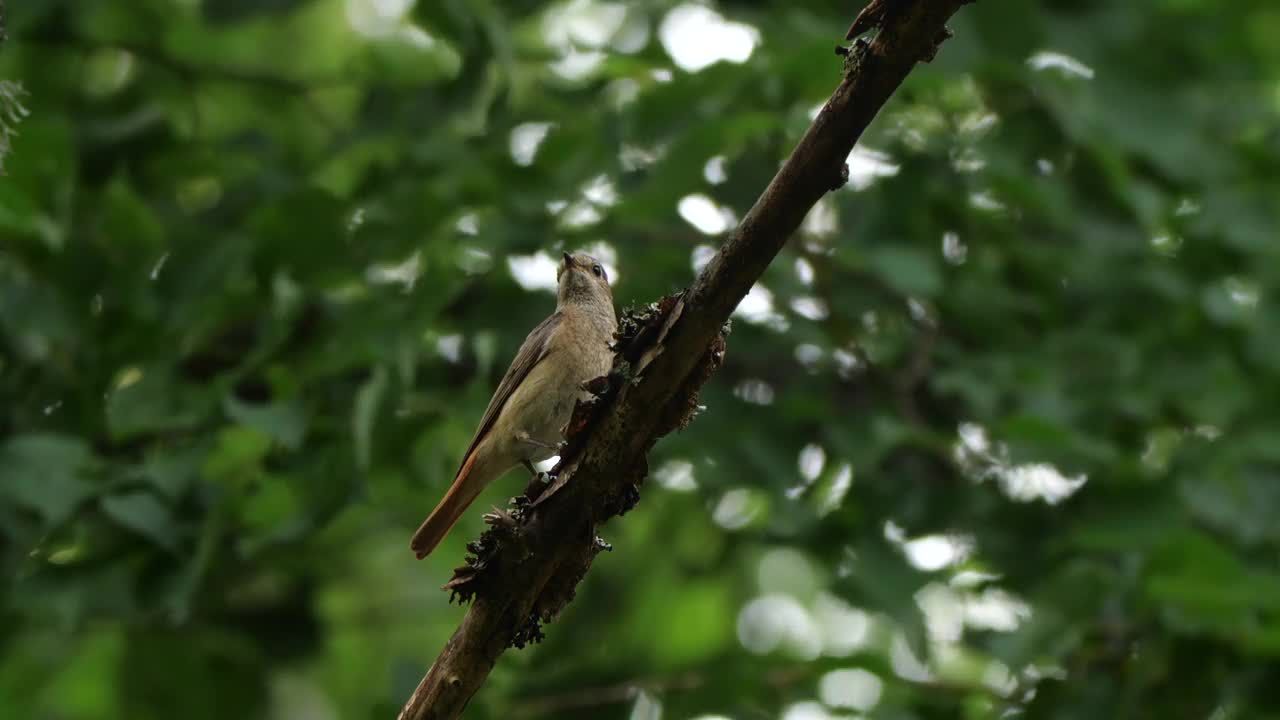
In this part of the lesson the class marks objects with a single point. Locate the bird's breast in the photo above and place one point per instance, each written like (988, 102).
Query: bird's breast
(544, 402)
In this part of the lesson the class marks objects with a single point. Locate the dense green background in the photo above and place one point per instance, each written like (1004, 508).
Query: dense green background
(1001, 438)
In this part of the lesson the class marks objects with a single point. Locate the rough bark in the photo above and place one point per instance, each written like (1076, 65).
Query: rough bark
(525, 567)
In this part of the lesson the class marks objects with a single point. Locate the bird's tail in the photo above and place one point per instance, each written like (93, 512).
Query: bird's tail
(455, 502)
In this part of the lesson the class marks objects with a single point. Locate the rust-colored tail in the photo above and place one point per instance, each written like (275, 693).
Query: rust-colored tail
(451, 507)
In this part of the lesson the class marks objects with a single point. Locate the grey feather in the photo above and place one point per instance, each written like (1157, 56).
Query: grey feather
(532, 351)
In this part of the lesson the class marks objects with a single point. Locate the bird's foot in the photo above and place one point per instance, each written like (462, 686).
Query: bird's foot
(498, 517)
(538, 475)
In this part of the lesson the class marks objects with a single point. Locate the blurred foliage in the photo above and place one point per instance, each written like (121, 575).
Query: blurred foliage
(997, 435)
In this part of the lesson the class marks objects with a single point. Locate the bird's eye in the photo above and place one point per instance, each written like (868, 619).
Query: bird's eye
(597, 270)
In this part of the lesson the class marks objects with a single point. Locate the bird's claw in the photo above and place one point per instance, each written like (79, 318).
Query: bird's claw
(499, 517)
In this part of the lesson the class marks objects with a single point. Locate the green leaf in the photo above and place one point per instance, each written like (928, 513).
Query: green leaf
(1112, 527)
(1203, 577)
(237, 458)
(286, 422)
(35, 317)
(129, 230)
(46, 473)
(409, 56)
(173, 471)
(882, 580)
(268, 510)
(1244, 504)
(142, 513)
(151, 400)
(907, 270)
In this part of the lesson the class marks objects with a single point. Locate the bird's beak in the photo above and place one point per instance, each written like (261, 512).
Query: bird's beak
(568, 260)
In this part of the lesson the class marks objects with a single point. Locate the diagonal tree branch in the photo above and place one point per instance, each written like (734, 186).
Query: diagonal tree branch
(525, 567)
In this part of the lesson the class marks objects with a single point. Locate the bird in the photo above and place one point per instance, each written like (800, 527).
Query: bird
(525, 420)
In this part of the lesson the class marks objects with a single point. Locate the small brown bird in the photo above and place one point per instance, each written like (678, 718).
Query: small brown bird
(525, 420)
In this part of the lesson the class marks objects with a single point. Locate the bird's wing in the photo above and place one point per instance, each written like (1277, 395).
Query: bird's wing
(531, 352)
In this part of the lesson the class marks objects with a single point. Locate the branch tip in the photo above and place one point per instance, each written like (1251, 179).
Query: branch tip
(873, 17)
(943, 35)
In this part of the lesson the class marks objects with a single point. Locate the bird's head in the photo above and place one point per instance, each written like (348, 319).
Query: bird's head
(582, 279)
